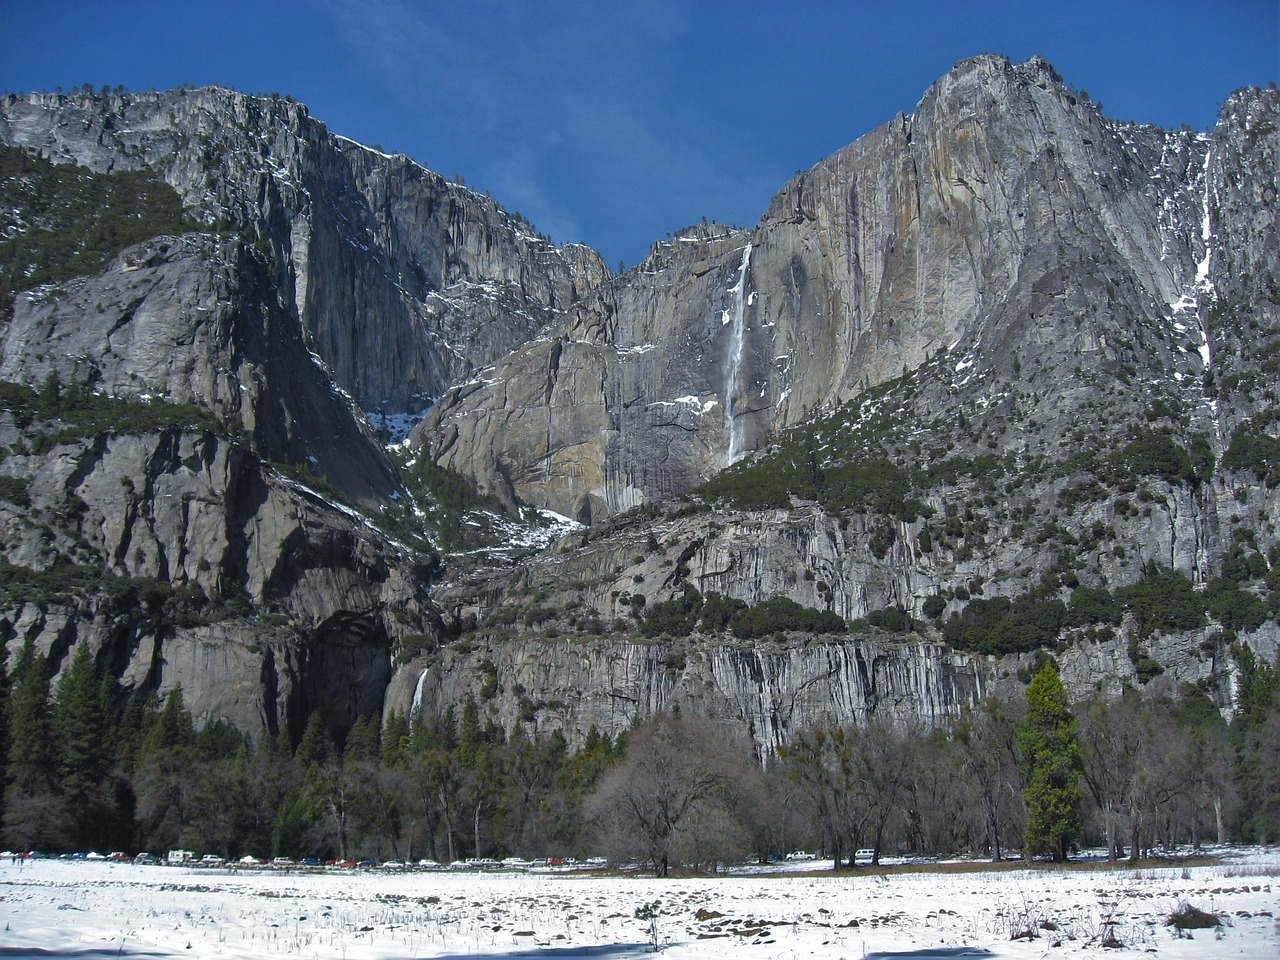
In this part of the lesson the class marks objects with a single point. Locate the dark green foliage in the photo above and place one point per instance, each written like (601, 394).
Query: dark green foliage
(682, 615)
(1256, 452)
(780, 615)
(1094, 605)
(132, 600)
(364, 743)
(173, 727)
(874, 485)
(1255, 732)
(840, 461)
(394, 740)
(677, 617)
(414, 645)
(1233, 607)
(59, 221)
(1163, 600)
(717, 611)
(32, 761)
(315, 747)
(1156, 453)
(219, 740)
(81, 725)
(1000, 625)
(458, 516)
(934, 607)
(1241, 566)
(1052, 768)
(15, 490)
(70, 414)
(892, 619)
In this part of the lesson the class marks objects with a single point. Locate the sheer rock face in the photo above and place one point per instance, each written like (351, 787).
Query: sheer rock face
(771, 690)
(404, 282)
(196, 320)
(1005, 218)
(199, 512)
(571, 680)
(1005, 244)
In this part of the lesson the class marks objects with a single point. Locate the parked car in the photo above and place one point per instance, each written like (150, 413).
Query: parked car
(865, 855)
(211, 860)
(119, 856)
(282, 862)
(146, 858)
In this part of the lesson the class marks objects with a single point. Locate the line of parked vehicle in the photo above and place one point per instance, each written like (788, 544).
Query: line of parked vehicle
(187, 858)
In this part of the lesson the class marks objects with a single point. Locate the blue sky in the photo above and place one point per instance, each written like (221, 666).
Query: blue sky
(615, 123)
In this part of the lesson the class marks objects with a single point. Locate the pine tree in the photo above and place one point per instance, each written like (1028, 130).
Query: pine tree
(314, 747)
(31, 761)
(81, 723)
(362, 744)
(4, 720)
(34, 813)
(1052, 768)
(395, 740)
(173, 728)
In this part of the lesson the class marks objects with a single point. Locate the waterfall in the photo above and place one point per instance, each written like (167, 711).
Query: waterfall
(734, 369)
(416, 709)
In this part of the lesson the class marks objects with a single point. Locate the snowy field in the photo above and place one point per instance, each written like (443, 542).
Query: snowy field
(94, 910)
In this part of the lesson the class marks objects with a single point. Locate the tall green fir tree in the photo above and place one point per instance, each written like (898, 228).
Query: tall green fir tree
(30, 758)
(81, 725)
(1052, 768)
(34, 812)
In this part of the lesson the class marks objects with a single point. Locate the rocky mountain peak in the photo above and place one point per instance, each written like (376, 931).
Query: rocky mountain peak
(992, 379)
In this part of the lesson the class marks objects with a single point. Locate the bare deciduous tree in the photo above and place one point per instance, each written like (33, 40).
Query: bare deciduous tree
(671, 800)
(986, 750)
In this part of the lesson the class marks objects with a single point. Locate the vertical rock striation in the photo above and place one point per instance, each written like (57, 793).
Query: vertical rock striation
(987, 222)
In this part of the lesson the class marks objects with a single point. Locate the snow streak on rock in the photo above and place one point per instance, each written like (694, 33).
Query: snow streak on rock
(1201, 292)
(736, 346)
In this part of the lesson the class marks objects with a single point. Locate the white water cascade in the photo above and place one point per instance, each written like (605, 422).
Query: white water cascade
(734, 369)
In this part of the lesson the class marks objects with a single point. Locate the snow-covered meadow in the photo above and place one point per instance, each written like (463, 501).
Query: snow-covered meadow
(93, 910)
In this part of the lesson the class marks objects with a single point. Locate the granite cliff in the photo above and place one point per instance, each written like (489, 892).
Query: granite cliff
(1005, 223)
(991, 362)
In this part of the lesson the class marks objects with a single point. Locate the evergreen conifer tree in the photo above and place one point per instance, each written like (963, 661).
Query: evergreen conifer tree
(31, 762)
(314, 747)
(1052, 768)
(34, 813)
(81, 726)
(4, 721)
(395, 740)
(362, 744)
